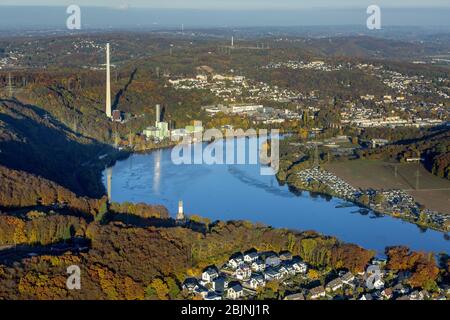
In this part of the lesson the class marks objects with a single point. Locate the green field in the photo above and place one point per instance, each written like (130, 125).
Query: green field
(427, 189)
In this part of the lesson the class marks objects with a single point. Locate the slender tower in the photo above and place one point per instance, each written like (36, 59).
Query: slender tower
(108, 83)
(180, 215)
(232, 41)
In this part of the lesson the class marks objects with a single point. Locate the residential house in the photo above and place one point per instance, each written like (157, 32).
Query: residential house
(273, 261)
(250, 257)
(289, 266)
(243, 272)
(400, 289)
(300, 267)
(212, 296)
(272, 274)
(236, 261)
(283, 270)
(418, 295)
(219, 284)
(348, 278)
(378, 284)
(258, 266)
(295, 296)
(257, 281)
(190, 284)
(285, 255)
(209, 275)
(317, 292)
(235, 291)
(334, 285)
(201, 291)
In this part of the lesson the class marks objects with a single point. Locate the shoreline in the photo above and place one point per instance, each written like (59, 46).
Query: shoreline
(361, 205)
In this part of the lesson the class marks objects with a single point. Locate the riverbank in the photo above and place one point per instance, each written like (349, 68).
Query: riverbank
(367, 199)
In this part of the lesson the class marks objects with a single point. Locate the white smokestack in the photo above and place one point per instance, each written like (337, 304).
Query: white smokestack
(108, 84)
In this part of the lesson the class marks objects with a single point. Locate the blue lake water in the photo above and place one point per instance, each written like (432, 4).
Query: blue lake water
(240, 192)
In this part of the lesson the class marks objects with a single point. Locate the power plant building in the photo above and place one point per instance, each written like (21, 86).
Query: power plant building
(161, 129)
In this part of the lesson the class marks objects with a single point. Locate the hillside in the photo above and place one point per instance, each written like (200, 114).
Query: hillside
(34, 142)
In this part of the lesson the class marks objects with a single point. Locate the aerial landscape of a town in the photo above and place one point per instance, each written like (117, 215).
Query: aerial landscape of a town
(204, 150)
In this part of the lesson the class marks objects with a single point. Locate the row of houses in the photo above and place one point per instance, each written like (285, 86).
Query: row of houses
(243, 274)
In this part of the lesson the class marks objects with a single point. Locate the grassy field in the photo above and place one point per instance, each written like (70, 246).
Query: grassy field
(427, 189)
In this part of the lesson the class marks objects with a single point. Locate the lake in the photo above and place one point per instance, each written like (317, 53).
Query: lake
(239, 192)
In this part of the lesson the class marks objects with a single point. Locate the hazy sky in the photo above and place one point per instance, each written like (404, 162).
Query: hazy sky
(52, 13)
(233, 4)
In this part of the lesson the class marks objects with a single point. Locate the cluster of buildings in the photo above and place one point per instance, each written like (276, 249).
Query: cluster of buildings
(336, 184)
(160, 131)
(363, 119)
(316, 65)
(366, 116)
(400, 203)
(394, 202)
(256, 112)
(10, 60)
(408, 85)
(85, 44)
(233, 88)
(397, 202)
(244, 274)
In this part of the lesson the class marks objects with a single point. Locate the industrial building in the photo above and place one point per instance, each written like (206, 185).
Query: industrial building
(160, 130)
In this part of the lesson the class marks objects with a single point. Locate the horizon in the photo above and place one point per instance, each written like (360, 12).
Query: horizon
(94, 17)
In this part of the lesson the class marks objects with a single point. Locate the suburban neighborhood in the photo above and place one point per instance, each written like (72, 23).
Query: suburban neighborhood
(251, 274)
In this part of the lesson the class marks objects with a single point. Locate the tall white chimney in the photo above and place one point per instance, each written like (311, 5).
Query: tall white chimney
(232, 41)
(108, 84)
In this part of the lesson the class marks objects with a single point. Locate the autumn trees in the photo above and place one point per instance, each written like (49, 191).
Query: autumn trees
(42, 230)
(422, 266)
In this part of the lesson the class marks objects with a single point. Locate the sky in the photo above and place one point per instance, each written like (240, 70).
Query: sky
(232, 4)
(221, 13)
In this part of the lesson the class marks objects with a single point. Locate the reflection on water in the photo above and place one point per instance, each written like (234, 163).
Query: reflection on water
(239, 192)
(157, 172)
(108, 183)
